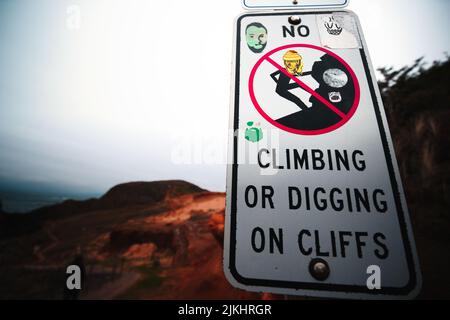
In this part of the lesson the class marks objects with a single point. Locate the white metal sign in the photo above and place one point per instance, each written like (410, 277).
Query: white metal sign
(272, 4)
(315, 204)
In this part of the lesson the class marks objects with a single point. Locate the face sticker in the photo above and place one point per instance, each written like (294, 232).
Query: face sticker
(335, 78)
(256, 36)
(293, 62)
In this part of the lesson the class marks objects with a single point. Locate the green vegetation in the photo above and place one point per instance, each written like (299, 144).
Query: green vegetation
(417, 101)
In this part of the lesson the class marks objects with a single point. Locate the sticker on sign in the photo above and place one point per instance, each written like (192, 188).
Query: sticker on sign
(315, 204)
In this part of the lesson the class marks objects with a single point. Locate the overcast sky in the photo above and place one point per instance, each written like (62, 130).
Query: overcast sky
(140, 82)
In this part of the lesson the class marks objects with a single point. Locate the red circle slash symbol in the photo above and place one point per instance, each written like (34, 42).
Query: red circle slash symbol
(334, 102)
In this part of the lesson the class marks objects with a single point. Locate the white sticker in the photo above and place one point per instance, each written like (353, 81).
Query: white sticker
(338, 31)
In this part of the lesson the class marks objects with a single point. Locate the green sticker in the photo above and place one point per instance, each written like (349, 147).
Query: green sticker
(256, 35)
(253, 133)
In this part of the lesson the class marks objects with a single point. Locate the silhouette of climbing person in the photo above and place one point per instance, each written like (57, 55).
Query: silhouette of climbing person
(74, 294)
(294, 65)
(335, 85)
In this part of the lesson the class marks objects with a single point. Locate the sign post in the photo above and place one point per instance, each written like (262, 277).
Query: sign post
(315, 204)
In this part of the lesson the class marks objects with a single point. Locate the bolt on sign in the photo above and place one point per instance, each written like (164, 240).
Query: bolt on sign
(314, 195)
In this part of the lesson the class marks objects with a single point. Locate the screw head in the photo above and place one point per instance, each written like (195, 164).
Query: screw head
(295, 20)
(319, 269)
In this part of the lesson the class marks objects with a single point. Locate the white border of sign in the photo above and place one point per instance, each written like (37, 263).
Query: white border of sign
(287, 4)
(413, 288)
